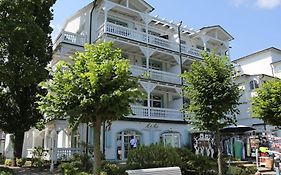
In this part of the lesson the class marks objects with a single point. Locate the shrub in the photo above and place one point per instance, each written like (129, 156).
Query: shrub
(2, 160)
(192, 164)
(8, 162)
(38, 157)
(78, 164)
(112, 169)
(20, 162)
(6, 171)
(152, 156)
(241, 170)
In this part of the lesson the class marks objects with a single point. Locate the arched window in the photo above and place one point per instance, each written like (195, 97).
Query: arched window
(254, 84)
(170, 139)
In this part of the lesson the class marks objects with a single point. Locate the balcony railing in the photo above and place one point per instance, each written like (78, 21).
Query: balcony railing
(157, 113)
(156, 74)
(70, 38)
(64, 154)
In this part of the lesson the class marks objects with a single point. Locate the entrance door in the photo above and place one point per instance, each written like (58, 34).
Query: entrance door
(123, 143)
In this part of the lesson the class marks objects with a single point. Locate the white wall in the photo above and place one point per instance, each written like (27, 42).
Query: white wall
(256, 64)
(118, 126)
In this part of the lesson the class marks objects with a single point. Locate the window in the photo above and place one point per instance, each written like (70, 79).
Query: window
(155, 101)
(170, 139)
(254, 84)
(117, 22)
(156, 65)
(123, 143)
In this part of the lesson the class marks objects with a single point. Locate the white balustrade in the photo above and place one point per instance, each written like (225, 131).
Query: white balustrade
(71, 38)
(125, 32)
(194, 52)
(156, 113)
(137, 70)
(164, 76)
(156, 74)
(64, 154)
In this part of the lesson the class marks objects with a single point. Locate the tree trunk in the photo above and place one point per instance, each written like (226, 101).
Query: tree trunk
(218, 140)
(17, 143)
(97, 151)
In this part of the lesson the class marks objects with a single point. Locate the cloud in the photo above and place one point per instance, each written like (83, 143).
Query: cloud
(268, 4)
(260, 4)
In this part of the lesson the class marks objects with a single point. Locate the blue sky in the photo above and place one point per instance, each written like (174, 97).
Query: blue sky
(255, 24)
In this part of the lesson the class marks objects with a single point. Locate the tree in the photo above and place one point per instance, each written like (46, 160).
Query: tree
(25, 51)
(213, 96)
(98, 87)
(267, 103)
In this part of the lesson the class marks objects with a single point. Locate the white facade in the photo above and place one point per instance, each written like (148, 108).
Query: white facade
(254, 70)
(153, 46)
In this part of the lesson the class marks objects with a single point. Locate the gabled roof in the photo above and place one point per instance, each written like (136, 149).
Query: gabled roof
(259, 52)
(217, 27)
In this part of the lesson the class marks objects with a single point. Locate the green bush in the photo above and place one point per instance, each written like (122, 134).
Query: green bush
(8, 162)
(38, 157)
(78, 164)
(192, 164)
(20, 162)
(241, 170)
(6, 171)
(112, 169)
(2, 160)
(152, 156)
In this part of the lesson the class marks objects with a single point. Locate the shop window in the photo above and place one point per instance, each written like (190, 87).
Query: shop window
(254, 84)
(171, 139)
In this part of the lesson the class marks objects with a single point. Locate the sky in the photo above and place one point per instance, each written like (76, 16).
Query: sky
(255, 24)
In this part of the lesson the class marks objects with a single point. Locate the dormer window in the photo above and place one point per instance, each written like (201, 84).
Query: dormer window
(254, 84)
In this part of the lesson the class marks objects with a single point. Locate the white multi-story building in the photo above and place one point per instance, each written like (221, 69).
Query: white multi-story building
(255, 69)
(153, 46)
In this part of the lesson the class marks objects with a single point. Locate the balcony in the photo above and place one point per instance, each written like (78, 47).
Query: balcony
(157, 113)
(70, 38)
(136, 35)
(156, 74)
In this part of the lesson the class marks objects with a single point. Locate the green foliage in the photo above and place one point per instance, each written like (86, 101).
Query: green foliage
(78, 163)
(213, 94)
(38, 157)
(97, 87)
(241, 170)
(267, 103)
(192, 164)
(2, 160)
(25, 51)
(112, 169)
(6, 171)
(20, 162)
(8, 162)
(152, 156)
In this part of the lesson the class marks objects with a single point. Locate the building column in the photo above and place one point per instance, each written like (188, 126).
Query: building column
(46, 138)
(106, 7)
(54, 135)
(148, 87)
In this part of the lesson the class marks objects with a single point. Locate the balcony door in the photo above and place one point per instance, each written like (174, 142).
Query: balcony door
(123, 146)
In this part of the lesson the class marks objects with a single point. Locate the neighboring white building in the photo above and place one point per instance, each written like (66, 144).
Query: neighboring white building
(253, 70)
(152, 45)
